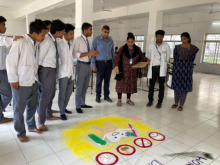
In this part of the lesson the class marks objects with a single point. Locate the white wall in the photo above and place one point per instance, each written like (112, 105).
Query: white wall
(15, 28)
(197, 24)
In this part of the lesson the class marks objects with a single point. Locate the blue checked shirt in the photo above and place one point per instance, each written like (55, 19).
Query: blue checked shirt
(104, 48)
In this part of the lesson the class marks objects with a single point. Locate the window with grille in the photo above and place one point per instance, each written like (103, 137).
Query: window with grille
(211, 51)
(172, 40)
(139, 41)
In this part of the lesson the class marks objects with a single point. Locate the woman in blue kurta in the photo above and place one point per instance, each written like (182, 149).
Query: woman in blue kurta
(182, 82)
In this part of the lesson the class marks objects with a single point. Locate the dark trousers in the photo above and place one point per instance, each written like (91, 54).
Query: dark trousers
(104, 71)
(155, 75)
(5, 92)
(47, 77)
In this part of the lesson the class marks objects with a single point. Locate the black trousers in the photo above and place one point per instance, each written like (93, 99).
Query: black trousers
(104, 71)
(155, 75)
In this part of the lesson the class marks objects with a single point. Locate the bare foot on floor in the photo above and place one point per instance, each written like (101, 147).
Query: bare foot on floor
(42, 128)
(6, 120)
(53, 111)
(23, 139)
(35, 130)
(53, 118)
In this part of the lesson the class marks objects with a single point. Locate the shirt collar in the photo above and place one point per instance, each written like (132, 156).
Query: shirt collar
(84, 37)
(103, 38)
(49, 34)
(29, 39)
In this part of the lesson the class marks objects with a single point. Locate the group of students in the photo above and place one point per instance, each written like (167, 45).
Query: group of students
(36, 60)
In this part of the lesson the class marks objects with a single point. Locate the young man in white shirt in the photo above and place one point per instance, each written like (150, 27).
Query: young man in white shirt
(159, 54)
(22, 67)
(49, 61)
(65, 73)
(83, 68)
(5, 88)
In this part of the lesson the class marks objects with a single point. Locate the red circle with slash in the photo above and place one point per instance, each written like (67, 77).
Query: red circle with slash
(125, 145)
(99, 155)
(163, 137)
(143, 140)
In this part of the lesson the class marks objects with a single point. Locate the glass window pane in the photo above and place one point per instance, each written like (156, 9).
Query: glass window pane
(167, 38)
(213, 37)
(141, 45)
(175, 38)
(209, 54)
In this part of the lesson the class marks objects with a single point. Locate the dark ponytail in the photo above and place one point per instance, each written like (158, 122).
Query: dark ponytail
(130, 36)
(187, 35)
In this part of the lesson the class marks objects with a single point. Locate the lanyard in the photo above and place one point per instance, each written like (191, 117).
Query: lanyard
(130, 53)
(54, 44)
(87, 43)
(158, 50)
(35, 54)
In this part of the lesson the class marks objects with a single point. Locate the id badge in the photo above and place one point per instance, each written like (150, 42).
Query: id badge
(130, 61)
(59, 61)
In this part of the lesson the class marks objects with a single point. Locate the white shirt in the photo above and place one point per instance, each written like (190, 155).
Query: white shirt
(47, 52)
(66, 56)
(21, 64)
(80, 46)
(156, 59)
(4, 42)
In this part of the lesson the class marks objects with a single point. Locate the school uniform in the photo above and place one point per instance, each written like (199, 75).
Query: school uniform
(48, 60)
(5, 87)
(65, 73)
(22, 67)
(159, 56)
(83, 69)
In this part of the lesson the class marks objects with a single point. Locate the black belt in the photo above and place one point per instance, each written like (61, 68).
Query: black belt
(88, 63)
(158, 66)
(104, 61)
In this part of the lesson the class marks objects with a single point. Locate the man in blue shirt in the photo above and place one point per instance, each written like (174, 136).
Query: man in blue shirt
(103, 64)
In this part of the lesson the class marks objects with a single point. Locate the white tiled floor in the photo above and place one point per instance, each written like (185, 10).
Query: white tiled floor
(195, 128)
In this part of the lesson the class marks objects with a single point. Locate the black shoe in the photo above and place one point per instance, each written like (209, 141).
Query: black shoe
(108, 99)
(159, 105)
(63, 117)
(68, 112)
(86, 106)
(98, 99)
(150, 103)
(79, 110)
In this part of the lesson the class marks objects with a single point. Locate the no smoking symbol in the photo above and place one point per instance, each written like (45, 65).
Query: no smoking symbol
(143, 142)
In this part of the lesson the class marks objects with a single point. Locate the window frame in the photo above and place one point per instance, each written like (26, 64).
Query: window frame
(217, 47)
(173, 41)
(143, 41)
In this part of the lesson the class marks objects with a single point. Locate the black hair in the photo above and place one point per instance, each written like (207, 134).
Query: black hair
(69, 27)
(37, 26)
(106, 27)
(116, 47)
(57, 25)
(160, 32)
(130, 36)
(187, 35)
(85, 26)
(47, 22)
(2, 19)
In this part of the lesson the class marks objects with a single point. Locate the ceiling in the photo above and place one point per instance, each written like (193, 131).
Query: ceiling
(69, 11)
(6, 5)
(200, 8)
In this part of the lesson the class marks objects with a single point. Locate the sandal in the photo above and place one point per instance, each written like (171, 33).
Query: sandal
(130, 103)
(119, 103)
(180, 108)
(174, 106)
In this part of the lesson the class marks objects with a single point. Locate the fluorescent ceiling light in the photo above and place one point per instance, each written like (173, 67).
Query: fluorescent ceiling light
(53, 7)
(108, 19)
(215, 23)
